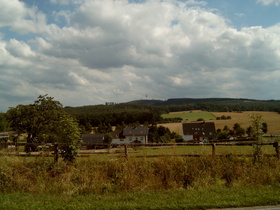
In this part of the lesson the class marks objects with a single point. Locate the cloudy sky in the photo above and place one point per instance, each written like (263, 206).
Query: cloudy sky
(84, 52)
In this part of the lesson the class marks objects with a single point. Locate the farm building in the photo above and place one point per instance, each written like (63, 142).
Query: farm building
(198, 131)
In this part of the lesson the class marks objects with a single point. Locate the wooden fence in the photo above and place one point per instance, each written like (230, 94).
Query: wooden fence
(54, 149)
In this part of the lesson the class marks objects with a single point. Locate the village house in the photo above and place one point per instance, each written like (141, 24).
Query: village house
(130, 134)
(198, 131)
(90, 140)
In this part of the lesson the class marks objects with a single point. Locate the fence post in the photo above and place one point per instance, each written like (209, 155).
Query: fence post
(55, 152)
(125, 151)
(213, 150)
(276, 145)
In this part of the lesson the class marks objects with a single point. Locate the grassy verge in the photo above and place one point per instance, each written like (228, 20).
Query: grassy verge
(138, 183)
(170, 199)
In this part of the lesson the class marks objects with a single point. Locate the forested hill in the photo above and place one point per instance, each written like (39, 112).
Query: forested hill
(214, 104)
(150, 110)
(178, 101)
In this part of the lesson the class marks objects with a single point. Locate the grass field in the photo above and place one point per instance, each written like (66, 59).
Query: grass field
(172, 199)
(110, 182)
(190, 115)
(271, 118)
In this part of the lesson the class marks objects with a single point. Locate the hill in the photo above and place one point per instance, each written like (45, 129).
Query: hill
(214, 104)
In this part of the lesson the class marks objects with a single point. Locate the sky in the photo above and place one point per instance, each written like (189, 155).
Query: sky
(87, 52)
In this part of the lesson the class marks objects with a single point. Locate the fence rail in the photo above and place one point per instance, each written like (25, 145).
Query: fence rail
(54, 148)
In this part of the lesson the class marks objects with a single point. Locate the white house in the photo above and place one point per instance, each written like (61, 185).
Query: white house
(131, 134)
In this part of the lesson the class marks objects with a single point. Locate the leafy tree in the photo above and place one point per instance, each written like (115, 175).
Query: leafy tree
(222, 135)
(177, 137)
(249, 131)
(256, 124)
(46, 121)
(4, 125)
(226, 128)
(264, 127)
(108, 138)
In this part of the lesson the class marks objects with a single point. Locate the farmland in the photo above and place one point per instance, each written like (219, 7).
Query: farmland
(243, 118)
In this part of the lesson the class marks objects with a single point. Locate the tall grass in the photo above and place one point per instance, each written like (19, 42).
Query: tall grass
(89, 176)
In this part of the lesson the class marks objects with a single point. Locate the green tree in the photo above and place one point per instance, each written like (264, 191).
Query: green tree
(256, 124)
(177, 137)
(264, 127)
(4, 125)
(108, 138)
(46, 121)
(249, 131)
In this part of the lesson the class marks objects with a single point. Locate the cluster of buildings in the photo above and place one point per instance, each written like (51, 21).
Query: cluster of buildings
(197, 131)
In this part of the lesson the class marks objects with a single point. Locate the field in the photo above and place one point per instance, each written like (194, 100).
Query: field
(271, 118)
(114, 182)
(190, 115)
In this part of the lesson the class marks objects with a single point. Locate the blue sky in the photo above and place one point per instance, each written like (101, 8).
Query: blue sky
(84, 52)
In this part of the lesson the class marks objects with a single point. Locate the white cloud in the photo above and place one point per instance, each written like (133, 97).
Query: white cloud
(268, 2)
(21, 19)
(120, 51)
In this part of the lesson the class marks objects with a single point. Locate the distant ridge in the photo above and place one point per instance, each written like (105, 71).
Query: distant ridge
(176, 101)
(147, 101)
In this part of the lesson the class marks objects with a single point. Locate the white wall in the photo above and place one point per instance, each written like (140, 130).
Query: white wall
(130, 139)
(187, 137)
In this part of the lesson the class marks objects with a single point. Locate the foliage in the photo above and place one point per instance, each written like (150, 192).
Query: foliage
(108, 138)
(4, 125)
(46, 121)
(257, 121)
(223, 117)
(116, 114)
(159, 134)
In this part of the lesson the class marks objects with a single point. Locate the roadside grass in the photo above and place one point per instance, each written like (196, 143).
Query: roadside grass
(111, 181)
(169, 199)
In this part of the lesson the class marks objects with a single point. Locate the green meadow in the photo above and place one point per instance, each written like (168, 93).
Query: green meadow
(190, 115)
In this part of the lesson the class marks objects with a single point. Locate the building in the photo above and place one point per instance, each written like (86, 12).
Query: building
(133, 134)
(130, 134)
(198, 131)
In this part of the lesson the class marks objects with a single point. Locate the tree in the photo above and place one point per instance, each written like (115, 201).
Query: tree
(249, 131)
(256, 124)
(264, 127)
(177, 137)
(108, 138)
(46, 121)
(4, 125)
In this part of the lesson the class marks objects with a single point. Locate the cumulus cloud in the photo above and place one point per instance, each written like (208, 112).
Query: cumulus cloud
(120, 51)
(268, 2)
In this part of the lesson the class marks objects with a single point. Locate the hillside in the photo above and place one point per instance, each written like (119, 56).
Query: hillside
(214, 104)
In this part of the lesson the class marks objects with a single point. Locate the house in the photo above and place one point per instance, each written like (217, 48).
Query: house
(130, 134)
(90, 140)
(198, 131)
(136, 134)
